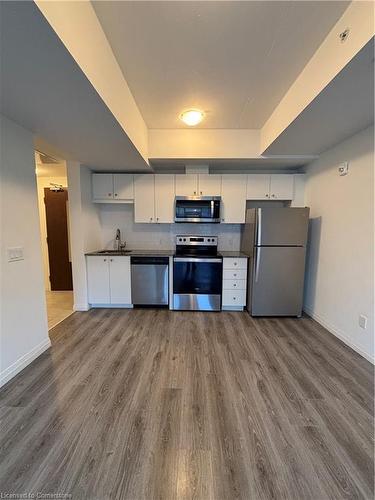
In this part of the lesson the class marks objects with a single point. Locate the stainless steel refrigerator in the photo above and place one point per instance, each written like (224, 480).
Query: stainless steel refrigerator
(275, 239)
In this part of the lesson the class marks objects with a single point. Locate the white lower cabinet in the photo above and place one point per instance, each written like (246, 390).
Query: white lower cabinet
(108, 280)
(234, 282)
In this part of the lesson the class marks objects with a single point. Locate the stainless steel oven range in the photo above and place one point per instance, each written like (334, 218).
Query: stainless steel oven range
(197, 274)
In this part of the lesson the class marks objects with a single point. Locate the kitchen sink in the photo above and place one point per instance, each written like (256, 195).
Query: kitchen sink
(114, 252)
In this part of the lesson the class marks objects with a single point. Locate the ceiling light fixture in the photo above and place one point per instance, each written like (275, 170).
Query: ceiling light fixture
(192, 117)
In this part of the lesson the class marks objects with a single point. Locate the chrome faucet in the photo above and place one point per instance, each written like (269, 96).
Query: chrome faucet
(118, 245)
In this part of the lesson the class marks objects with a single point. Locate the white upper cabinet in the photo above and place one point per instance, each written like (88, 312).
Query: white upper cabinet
(144, 198)
(233, 194)
(164, 198)
(102, 187)
(258, 186)
(123, 187)
(281, 187)
(270, 187)
(187, 185)
(209, 185)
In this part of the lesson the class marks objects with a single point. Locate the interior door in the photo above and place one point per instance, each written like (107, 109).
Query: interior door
(277, 281)
(60, 267)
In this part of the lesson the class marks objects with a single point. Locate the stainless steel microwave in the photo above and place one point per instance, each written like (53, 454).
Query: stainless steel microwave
(197, 209)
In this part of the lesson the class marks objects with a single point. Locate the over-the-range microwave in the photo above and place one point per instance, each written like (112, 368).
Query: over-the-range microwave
(197, 209)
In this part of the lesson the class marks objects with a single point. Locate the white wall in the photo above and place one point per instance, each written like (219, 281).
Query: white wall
(340, 265)
(44, 182)
(24, 332)
(85, 233)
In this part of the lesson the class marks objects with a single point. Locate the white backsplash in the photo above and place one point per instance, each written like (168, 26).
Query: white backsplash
(159, 236)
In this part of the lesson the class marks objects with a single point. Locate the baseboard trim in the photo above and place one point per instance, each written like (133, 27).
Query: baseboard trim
(81, 307)
(111, 306)
(338, 333)
(23, 361)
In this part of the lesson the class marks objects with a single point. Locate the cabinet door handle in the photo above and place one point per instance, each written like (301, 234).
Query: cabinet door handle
(234, 263)
(201, 192)
(109, 194)
(116, 194)
(105, 260)
(157, 218)
(273, 196)
(195, 192)
(234, 284)
(234, 298)
(150, 218)
(267, 195)
(235, 274)
(111, 260)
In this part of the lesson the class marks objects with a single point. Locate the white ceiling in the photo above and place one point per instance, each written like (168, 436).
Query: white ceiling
(44, 90)
(342, 109)
(234, 60)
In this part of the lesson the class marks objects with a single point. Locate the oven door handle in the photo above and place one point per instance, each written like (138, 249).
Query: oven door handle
(196, 259)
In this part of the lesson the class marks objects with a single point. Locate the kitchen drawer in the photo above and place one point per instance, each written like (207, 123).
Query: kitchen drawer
(234, 274)
(234, 284)
(234, 263)
(234, 298)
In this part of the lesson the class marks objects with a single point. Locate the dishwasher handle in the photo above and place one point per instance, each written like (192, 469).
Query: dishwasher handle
(152, 261)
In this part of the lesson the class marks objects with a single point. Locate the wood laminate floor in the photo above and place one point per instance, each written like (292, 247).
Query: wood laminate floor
(153, 404)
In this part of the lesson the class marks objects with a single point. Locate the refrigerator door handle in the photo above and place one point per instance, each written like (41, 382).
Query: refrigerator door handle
(257, 263)
(259, 227)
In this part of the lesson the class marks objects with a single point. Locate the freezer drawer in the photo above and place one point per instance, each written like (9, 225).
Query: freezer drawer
(276, 287)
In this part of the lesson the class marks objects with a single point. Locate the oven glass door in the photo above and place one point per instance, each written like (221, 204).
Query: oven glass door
(197, 275)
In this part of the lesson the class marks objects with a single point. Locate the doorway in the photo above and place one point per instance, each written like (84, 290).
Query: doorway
(53, 197)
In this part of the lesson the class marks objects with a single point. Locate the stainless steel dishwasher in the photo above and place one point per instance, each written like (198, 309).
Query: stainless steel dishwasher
(150, 281)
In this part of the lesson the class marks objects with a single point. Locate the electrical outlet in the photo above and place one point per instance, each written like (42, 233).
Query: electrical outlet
(344, 168)
(15, 253)
(362, 321)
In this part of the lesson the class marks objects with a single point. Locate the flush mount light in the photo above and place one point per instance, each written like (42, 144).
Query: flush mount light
(192, 117)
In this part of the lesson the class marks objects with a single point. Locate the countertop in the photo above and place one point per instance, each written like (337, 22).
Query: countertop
(135, 253)
(161, 253)
(234, 254)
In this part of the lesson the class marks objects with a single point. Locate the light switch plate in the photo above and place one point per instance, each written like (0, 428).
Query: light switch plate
(362, 321)
(15, 254)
